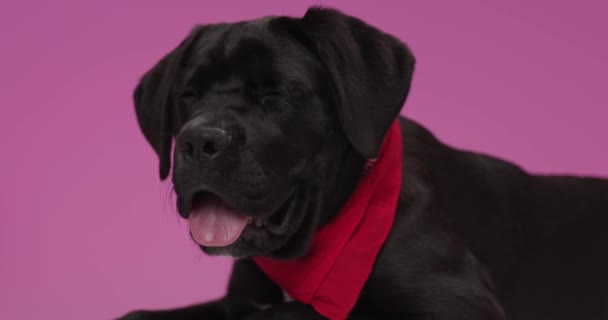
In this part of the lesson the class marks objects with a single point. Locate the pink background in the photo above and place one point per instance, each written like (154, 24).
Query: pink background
(88, 232)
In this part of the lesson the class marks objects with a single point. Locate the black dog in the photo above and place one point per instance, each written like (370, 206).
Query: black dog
(276, 118)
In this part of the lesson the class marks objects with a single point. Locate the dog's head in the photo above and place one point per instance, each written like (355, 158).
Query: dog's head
(272, 121)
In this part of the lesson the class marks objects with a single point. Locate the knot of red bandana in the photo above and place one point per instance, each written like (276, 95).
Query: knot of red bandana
(331, 275)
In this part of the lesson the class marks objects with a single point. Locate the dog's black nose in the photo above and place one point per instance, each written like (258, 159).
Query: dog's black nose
(203, 142)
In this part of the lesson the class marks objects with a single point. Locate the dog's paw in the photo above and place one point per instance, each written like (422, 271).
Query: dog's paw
(140, 315)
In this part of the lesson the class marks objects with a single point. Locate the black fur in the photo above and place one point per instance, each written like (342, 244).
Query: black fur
(277, 116)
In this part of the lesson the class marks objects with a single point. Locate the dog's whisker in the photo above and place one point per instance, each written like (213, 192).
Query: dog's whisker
(168, 197)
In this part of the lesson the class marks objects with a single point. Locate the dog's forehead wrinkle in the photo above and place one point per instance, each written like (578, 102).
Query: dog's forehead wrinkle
(252, 32)
(232, 84)
(210, 37)
(251, 51)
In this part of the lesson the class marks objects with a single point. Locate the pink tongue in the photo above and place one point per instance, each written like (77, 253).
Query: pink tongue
(213, 223)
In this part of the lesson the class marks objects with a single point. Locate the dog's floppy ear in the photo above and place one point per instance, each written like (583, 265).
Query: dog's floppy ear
(371, 72)
(154, 101)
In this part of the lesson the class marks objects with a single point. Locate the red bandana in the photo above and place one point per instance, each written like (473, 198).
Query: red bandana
(331, 275)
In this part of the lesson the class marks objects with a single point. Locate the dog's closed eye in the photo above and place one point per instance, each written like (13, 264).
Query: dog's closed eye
(270, 97)
(189, 96)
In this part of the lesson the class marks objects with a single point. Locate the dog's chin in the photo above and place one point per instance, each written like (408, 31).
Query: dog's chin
(221, 228)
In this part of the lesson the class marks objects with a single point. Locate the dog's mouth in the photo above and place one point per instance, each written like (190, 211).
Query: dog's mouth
(214, 222)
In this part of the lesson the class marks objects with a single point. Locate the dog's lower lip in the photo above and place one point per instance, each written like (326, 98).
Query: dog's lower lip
(257, 222)
(279, 226)
(276, 222)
